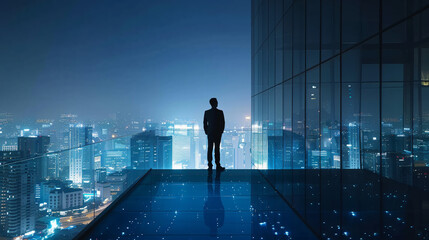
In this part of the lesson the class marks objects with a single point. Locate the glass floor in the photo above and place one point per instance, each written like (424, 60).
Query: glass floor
(198, 204)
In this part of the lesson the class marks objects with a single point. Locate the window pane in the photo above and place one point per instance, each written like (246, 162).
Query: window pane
(330, 28)
(312, 118)
(360, 21)
(271, 60)
(313, 149)
(313, 32)
(330, 114)
(298, 121)
(279, 10)
(271, 15)
(287, 122)
(298, 37)
(287, 40)
(396, 10)
(265, 66)
(360, 65)
(279, 53)
(370, 127)
(298, 155)
(275, 139)
(287, 138)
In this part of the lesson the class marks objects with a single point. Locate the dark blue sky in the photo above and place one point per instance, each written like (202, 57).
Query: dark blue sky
(162, 59)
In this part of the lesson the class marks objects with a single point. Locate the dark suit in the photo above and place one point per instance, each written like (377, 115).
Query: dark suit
(214, 124)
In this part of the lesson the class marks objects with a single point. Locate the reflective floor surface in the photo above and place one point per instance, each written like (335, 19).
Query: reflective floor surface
(198, 204)
(354, 204)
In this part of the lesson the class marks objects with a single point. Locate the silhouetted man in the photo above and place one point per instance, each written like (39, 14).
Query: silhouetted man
(214, 124)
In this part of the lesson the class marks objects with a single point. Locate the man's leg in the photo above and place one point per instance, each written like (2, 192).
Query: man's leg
(210, 151)
(217, 150)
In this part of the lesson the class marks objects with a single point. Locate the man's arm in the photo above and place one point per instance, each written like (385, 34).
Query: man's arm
(222, 123)
(205, 122)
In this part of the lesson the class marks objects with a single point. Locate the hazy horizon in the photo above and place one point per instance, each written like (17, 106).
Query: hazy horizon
(160, 60)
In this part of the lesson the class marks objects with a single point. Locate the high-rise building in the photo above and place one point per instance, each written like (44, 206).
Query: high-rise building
(81, 156)
(353, 147)
(7, 126)
(36, 147)
(164, 148)
(17, 194)
(62, 129)
(151, 151)
(186, 139)
(346, 79)
(346, 85)
(227, 155)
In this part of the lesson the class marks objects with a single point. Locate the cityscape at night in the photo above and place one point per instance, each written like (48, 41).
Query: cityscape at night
(226, 119)
(76, 170)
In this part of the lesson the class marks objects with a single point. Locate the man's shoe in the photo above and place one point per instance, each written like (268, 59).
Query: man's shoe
(210, 167)
(220, 168)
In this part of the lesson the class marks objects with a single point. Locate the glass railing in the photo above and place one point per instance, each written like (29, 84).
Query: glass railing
(57, 194)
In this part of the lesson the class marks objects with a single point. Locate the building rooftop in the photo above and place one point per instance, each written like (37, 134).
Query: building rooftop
(66, 190)
(194, 204)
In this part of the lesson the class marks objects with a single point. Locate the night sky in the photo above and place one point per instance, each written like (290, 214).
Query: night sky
(160, 59)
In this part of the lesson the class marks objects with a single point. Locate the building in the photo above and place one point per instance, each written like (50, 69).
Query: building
(115, 160)
(17, 194)
(342, 87)
(228, 153)
(53, 165)
(65, 199)
(321, 77)
(118, 183)
(151, 151)
(36, 147)
(100, 175)
(6, 148)
(47, 186)
(186, 139)
(164, 148)
(103, 191)
(353, 147)
(81, 158)
(242, 143)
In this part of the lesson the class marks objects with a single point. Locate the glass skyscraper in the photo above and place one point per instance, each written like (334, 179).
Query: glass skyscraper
(340, 110)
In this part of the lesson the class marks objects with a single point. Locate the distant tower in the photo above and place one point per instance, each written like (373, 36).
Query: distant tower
(151, 151)
(165, 152)
(81, 160)
(354, 147)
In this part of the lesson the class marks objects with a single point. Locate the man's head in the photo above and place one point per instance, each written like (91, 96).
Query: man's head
(213, 102)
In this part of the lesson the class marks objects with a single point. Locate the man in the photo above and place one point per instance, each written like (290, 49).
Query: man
(214, 124)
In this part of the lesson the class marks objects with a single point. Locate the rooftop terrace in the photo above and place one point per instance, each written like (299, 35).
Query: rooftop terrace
(198, 204)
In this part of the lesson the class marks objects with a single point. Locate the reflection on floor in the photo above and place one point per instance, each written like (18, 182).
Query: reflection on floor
(197, 204)
(353, 203)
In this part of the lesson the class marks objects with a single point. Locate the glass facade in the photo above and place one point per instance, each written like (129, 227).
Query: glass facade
(340, 112)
